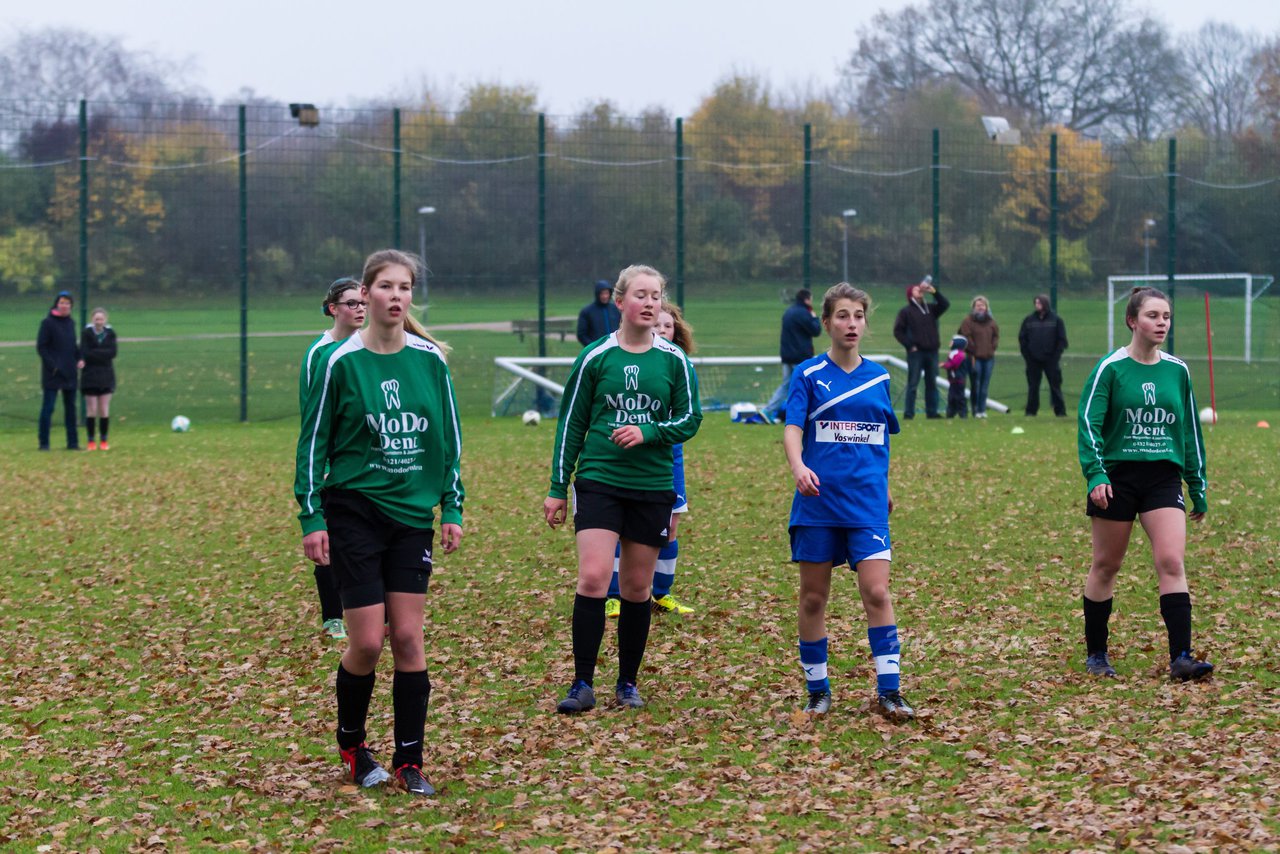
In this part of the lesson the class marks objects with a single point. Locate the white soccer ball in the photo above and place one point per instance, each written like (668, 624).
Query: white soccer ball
(531, 418)
(1208, 416)
(180, 424)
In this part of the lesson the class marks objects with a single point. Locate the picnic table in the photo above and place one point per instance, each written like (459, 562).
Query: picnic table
(562, 326)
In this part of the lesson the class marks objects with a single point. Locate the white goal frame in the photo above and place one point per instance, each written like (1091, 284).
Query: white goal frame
(1250, 294)
(519, 367)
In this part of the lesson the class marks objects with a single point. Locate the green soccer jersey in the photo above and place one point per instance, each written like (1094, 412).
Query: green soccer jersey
(608, 388)
(387, 425)
(1131, 412)
(313, 358)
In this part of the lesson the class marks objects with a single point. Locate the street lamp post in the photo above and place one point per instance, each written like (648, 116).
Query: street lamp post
(844, 221)
(1147, 225)
(423, 212)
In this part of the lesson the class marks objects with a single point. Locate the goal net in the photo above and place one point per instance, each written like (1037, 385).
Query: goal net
(1242, 328)
(523, 383)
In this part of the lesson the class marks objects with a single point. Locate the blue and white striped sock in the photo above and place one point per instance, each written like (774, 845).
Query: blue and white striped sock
(813, 661)
(665, 575)
(615, 591)
(885, 648)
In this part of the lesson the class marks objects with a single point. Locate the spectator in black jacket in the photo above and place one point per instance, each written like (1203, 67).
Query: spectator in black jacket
(1042, 339)
(916, 329)
(59, 362)
(795, 344)
(599, 317)
(98, 379)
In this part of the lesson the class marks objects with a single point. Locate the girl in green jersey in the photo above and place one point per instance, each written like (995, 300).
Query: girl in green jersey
(1139, 438)
(343, 303)
(629, 398)
(383, 419)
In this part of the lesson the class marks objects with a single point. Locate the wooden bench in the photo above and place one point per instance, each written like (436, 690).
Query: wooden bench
(562, 326)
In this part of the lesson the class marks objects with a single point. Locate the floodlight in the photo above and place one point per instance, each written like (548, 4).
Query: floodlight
(306, 114)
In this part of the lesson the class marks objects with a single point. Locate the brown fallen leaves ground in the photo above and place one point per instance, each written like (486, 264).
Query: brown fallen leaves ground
(165, 686)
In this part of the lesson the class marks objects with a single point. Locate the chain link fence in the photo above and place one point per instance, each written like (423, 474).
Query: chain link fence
(207, 222)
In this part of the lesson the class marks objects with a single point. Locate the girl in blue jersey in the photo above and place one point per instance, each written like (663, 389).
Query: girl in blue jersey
(672, 326)
(839, 417)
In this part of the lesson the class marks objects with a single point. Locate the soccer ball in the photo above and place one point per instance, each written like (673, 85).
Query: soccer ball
(1208, 416)
(180, 424)
(531, 417)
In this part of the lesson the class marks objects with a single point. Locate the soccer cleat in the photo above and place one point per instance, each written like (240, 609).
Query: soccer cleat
(895, 707)
(103, 446)
(579, 699)
(628, 696)
(819, 703)
(1184, 668)
(1098, 665)
(93, 446)
(410, 776)
(612, 607)
(365, 770)
(670, 605)
(334, 629)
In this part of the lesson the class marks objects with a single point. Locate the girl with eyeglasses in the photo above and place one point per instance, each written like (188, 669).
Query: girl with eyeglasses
(344, 305)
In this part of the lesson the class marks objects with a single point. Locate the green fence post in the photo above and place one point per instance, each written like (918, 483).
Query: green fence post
(937, 205)
(1053, 221)
(1173, 230)
(84, 213)
(244, 270)
(395, 178)
(680, 213)
(808, 188)
(542, 234)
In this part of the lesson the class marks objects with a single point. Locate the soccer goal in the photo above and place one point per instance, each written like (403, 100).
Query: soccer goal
(1233, 295)
(532, 382)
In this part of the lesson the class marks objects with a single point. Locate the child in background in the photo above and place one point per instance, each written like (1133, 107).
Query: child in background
(957, 368)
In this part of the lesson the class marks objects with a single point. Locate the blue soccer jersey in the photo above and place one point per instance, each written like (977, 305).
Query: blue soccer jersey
(847, 419)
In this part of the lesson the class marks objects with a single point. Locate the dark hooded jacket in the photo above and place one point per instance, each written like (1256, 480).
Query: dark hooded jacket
(799, 328)
(917, 322)
(56, 344)
(98, 351)
(595, 320)
(1042, 337)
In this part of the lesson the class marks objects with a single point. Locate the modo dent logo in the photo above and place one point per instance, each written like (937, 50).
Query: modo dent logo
(632, 374)
(391, 391)
(1149, 394)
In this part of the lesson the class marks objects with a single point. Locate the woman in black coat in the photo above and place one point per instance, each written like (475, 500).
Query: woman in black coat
(98, 379)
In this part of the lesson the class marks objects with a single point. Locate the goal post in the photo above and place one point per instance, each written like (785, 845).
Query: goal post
(536, 382)
(1244, 287)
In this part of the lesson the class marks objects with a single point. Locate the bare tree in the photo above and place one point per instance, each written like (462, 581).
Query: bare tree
(1224, 71)
(1046, 61)
(48, 70)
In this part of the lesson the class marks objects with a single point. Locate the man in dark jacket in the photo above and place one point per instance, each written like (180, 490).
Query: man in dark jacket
(1042, 339)
(59, 361)
(599, 317)
(795, 344)
(916, 329)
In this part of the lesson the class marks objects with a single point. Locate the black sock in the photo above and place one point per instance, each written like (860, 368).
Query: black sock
(588, 632)
(330, 602)
(1176, 610)
(410, 693)
(1096, 615)
(88, 426)
(633, 635)
(104, 422)
(353, 693)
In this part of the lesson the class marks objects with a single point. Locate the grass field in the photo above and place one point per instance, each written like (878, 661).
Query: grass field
(166, 686)
(200, 377)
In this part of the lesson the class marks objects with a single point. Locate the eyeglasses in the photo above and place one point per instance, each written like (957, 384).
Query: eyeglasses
(352, 304)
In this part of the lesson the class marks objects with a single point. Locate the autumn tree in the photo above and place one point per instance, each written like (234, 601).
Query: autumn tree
(1224, 77)
(1082, 173)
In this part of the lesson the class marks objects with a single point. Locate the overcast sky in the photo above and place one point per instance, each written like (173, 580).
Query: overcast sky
(667, 53)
